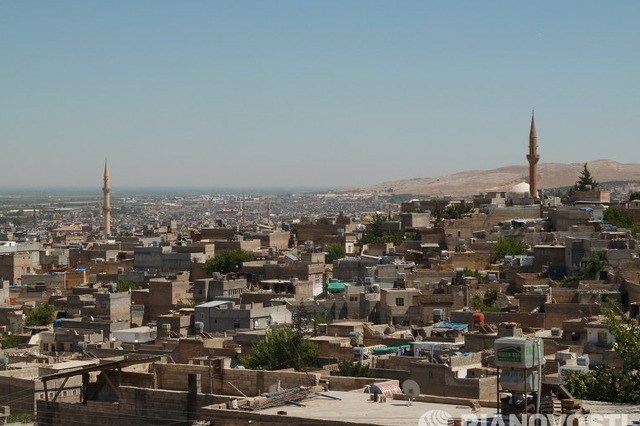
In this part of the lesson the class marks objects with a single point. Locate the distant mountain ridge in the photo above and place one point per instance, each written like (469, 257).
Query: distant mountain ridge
(470, 182)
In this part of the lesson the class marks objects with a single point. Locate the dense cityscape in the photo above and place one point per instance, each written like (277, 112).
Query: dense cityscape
(330, 213)
(321, 307)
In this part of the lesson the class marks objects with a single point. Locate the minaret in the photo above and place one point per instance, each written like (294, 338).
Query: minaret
(533, 157)
(106, 208)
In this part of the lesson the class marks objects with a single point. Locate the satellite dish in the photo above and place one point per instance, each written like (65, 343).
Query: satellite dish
(412, 389)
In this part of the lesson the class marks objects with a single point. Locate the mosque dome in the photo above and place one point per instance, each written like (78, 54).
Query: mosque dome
(520, 189)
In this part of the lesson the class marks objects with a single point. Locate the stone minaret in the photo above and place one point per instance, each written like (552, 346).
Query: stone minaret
(533, 157)
(106, 208)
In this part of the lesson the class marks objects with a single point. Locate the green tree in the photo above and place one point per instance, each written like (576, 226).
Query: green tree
(618, 217)
(603, 383)
(11, 341)
(634, 196)
(375, 234)
(41, 315)
(482, 279)
(457, 210)
(485, 304)
(352, 369)
(592, 265)
(227, 261)
(125, 285)
(282, 348)
(622, 219)
(334, 252)
(508, 247)
(585, 179)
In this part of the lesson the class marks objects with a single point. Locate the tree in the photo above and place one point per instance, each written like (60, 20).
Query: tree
(457, 210)
(485, 304)
(227, 261)
(352, 369)
(508, 247)
(282, 348)
(603, 383)
(375, 234)
(585, 180)
(618, 217)
(334, 252)
(125, 285)
(622, 219)
(41, 315)
(634, 196)
(592, 265)
(482, 279)
(11, 341)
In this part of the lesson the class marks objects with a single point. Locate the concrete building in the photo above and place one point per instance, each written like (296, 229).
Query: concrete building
(165, 295)
(211, 288)
(13, 266)
(67, 341)
(220, 316)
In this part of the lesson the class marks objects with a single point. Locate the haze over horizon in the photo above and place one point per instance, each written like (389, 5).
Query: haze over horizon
(309, 94)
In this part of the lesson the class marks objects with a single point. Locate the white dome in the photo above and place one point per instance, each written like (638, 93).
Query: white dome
(521, 188)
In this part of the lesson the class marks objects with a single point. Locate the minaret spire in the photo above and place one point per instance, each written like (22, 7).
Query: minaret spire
(106, 208)
(533, 157)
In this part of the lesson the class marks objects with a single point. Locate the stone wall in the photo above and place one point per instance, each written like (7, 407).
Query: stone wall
(556, 313)
(137, 406)
(536, 320)
(346, 384)
(231, 381)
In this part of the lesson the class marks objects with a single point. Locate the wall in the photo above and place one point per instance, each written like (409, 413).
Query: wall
(556, 313)
(137, 406)
(249, 382)
(525, 319)
(438, 379)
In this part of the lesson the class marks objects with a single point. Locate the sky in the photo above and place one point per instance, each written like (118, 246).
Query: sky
(309, 93)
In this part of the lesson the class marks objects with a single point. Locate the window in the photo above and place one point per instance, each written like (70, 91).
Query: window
(236, 323)
(64, 393)
(399, 301)
(41, 396)
(45, 347)
(353, 298)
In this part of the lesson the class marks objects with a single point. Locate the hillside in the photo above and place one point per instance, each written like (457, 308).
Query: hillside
(470, 182)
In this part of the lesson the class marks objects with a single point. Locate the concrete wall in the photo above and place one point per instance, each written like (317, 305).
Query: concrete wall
(137, 406)
(437, 379)
(249, 382)
(525, 319)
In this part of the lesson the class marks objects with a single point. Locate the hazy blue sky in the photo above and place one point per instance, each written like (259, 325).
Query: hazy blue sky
(309, 93)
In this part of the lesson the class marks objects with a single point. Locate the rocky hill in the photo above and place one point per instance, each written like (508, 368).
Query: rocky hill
(551, 175)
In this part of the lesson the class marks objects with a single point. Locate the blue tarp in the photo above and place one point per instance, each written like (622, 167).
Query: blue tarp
(453, 326)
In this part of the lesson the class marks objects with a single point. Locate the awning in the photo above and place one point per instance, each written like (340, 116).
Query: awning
(386, 388)
(335, 287)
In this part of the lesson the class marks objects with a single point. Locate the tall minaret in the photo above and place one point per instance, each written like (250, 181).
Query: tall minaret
(106, 208)
(533, 157)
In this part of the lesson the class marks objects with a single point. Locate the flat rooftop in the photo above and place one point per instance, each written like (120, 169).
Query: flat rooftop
(357, 408)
